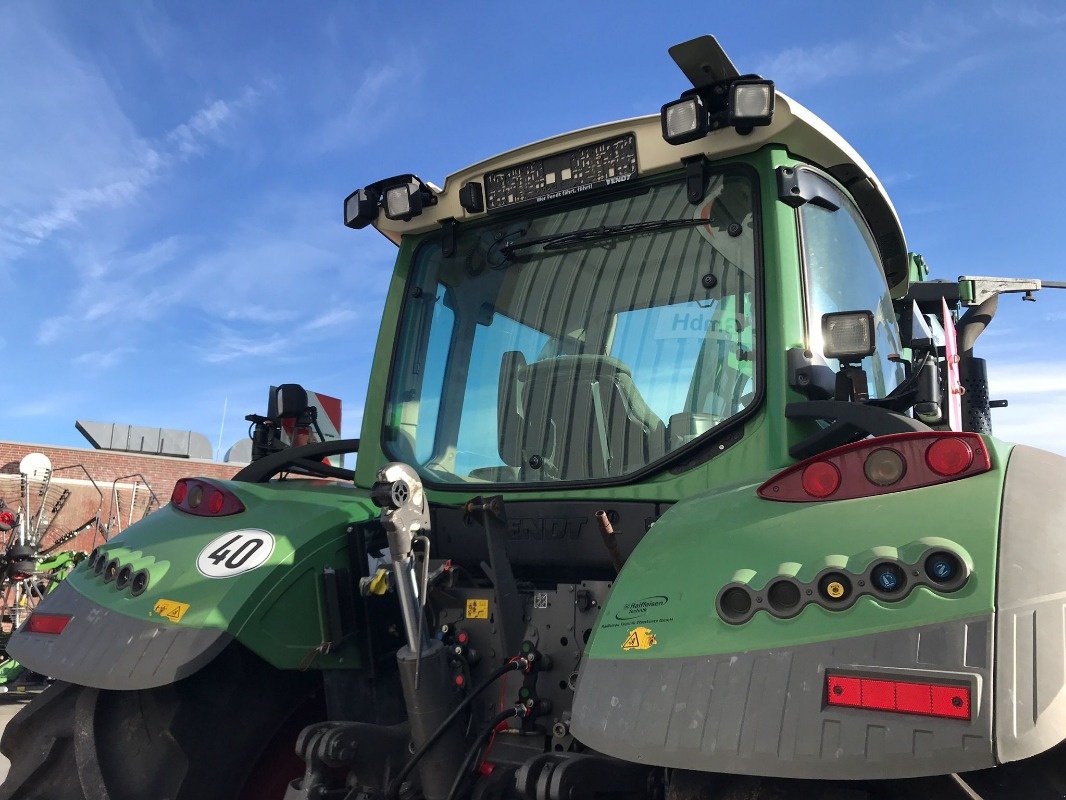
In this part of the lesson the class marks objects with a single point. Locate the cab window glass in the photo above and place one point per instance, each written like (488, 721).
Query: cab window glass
(844, 273)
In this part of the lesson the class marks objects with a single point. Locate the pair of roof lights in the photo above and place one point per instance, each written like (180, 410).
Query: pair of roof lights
(742, 103)
(402, 197)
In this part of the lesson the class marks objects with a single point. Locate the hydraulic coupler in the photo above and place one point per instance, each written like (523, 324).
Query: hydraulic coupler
(428, 689)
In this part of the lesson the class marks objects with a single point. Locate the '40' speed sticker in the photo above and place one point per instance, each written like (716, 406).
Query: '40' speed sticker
(235, 552)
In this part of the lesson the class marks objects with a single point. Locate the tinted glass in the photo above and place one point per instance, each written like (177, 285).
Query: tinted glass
(844, 273)
(579, 359)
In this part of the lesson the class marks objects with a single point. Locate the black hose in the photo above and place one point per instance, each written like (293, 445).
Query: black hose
(973, 324)
(472, 753)
(394, 785)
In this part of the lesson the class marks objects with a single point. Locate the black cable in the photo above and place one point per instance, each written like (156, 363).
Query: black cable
(394, 786)
(472, 753)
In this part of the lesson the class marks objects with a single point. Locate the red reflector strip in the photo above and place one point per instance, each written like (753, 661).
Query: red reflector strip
(47, 623)
(903, 697)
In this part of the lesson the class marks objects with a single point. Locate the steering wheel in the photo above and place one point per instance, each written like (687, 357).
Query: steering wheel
(305, 460)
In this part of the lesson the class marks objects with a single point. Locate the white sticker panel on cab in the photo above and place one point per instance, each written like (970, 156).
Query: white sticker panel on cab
(235, 553)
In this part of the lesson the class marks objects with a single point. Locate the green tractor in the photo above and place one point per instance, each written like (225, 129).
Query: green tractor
(676, 482)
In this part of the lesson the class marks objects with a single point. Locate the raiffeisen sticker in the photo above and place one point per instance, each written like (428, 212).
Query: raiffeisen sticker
(235, 553)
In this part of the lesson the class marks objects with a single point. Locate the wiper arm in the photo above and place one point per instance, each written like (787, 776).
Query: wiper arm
(559, 240)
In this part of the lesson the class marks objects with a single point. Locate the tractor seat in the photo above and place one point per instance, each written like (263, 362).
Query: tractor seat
(574, 417)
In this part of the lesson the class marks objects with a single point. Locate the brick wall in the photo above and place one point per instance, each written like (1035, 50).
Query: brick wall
(123, 480)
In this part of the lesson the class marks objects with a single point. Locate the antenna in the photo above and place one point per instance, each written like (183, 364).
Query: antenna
(221, 428)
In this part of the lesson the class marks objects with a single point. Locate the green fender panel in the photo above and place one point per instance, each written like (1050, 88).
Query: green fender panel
(275, 609)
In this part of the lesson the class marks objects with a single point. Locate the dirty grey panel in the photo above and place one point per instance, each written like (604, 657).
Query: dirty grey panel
(764, 713)
(106, 650)
(139, 439)
(1031, 648)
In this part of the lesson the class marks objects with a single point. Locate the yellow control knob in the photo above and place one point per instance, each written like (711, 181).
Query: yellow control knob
(379, 584)
(835, 589)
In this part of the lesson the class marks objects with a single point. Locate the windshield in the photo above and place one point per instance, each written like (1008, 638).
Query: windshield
(577, 358)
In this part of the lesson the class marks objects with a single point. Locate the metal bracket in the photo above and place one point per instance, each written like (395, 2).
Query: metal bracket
(974, 291)
(796, 186)
(330, 747)
(696, 177)
(449, 230)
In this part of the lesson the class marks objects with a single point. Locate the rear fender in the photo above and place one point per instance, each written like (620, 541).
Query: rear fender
(184, 618)
(670, 681)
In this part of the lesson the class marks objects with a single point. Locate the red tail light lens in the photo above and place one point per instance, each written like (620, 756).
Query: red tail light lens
(949, 456)
(881, 465)
(902, 697)
(820, 479)
(47, 623)
(197, 496)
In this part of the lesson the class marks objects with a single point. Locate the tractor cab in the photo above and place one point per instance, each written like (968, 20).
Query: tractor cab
(630, 300)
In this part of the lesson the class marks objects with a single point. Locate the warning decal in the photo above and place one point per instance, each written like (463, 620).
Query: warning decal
(170, 609)
(640, 639)
(477, 609)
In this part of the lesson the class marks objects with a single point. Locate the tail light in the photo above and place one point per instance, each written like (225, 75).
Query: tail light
(195, 496)
(47, 623)
(880, 466)
(929, 699)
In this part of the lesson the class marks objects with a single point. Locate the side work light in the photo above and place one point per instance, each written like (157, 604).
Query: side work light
(848, 335)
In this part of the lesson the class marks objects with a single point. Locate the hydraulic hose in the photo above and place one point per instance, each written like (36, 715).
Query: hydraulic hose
(512, 665)
(471, 754)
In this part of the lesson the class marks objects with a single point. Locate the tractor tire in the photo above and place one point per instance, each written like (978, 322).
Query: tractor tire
(226, 732)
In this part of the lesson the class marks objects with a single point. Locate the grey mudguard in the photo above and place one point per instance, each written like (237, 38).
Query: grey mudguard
(764, 712)
(107, 650)
(1031, 641)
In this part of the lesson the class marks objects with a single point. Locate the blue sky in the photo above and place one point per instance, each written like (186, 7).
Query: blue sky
(172, 174)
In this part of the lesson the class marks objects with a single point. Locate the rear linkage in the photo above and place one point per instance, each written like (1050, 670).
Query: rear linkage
(430, 755)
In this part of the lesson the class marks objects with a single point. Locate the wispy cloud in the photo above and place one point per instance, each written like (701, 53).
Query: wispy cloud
(934, 33)
(1036, 391)
(52, 406)
(370, 109)
(228, 345)
(1027, 15)
(1009, 379)
(330, 319)
(185, 141)
(191, 137)
(104, 359)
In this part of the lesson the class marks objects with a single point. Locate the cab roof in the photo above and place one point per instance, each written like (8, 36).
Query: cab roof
(805, 135)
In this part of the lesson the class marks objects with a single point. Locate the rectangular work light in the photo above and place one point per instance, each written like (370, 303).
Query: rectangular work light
(684, 120)
(361, 208)
(751, 103)
(403, 202)
(848, 335)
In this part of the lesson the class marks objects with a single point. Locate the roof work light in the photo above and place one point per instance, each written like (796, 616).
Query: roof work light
(403, 198)
(684, 120)
(751, 103)
(741, 103)
(720, 98)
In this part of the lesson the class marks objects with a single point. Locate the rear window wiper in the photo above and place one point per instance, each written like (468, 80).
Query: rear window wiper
(560, 240)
